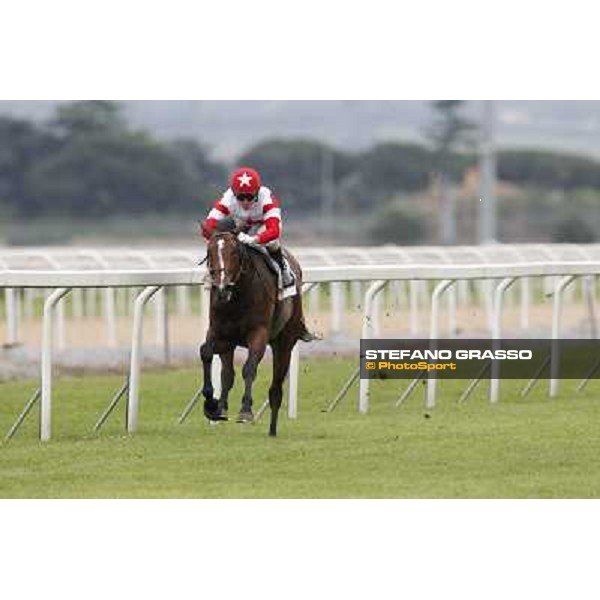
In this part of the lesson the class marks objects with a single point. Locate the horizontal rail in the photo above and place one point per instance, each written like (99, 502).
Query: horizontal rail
(165, 277)
(467, 271)
(101, 278)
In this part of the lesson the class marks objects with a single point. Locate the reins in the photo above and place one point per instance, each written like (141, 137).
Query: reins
(245, 259)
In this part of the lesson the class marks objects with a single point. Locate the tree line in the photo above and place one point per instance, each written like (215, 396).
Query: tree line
(87, 161)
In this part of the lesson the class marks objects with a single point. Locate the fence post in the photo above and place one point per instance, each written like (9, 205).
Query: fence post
(47, 341)
(497, 334)
(136, 356)
(12, 315)
(434, 333)
(367, 332)
(555, 347)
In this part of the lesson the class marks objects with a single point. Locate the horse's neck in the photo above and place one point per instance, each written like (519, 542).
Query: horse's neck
(260, 270)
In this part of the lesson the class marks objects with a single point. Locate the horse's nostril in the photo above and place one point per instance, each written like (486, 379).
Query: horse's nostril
(225, 294)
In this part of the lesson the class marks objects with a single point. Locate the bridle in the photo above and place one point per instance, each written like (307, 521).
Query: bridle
(214, 272)
(246, 264)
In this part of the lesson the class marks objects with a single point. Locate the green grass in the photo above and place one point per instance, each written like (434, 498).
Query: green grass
(520, 448)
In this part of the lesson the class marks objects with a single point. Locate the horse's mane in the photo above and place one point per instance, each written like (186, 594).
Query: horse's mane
(226, 225)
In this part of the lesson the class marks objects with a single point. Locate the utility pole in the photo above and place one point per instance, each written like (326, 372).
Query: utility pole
(447, 211)
(488, 222)
(447, 132)
(327, 190)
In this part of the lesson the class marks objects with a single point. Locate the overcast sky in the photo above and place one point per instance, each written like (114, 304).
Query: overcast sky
(228, 127)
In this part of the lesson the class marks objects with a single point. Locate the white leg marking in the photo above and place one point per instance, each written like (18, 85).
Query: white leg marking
(220, 244)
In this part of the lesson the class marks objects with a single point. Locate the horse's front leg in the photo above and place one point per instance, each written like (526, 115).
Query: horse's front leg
(257, 344)
(227, 379)
(211, 407)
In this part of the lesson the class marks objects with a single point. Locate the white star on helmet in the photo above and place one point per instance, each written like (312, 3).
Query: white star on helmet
(245, 179)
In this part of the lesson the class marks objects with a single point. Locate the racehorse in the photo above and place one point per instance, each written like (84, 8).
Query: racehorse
(245, 311)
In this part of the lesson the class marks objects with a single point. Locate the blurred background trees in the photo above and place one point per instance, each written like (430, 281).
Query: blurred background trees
(294, 169)
(88, 163)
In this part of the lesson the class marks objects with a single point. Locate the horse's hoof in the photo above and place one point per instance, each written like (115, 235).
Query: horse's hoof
(221, 414)
(216, 417)
(245, 417)
(211, 410)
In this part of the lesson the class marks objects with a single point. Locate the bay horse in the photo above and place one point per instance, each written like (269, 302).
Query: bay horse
(245, 311)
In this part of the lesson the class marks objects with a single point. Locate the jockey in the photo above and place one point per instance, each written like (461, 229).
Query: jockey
(257, 210)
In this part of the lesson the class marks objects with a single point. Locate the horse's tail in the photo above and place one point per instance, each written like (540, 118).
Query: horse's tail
(303, 333)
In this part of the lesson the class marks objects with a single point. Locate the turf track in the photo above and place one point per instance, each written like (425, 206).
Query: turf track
(521, 448)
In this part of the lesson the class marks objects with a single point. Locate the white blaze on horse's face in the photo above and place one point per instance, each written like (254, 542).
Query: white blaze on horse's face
(220, 244)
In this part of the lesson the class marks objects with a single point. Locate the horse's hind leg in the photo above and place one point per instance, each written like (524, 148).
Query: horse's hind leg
(257, 344)
(282, 352)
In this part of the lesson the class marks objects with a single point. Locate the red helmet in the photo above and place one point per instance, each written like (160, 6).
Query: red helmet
(245, 181)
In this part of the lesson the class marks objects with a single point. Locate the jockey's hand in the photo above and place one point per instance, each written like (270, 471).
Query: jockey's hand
(204, 231)
(241, 225)
(244, 238)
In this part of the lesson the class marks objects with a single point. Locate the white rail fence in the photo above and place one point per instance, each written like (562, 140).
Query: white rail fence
(495, 277)
(19, 305)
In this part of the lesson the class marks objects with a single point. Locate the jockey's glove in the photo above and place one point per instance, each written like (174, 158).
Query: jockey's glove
(244, 238)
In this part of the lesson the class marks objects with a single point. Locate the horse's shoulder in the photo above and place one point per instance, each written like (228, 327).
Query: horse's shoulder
(258, 257)
(261, 265)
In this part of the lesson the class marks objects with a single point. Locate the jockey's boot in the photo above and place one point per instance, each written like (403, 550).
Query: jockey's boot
(286, 275)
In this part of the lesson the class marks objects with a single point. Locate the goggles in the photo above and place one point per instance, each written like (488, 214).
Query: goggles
(247, 197)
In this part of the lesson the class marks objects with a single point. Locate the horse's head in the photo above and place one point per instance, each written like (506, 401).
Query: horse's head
(225, 263)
